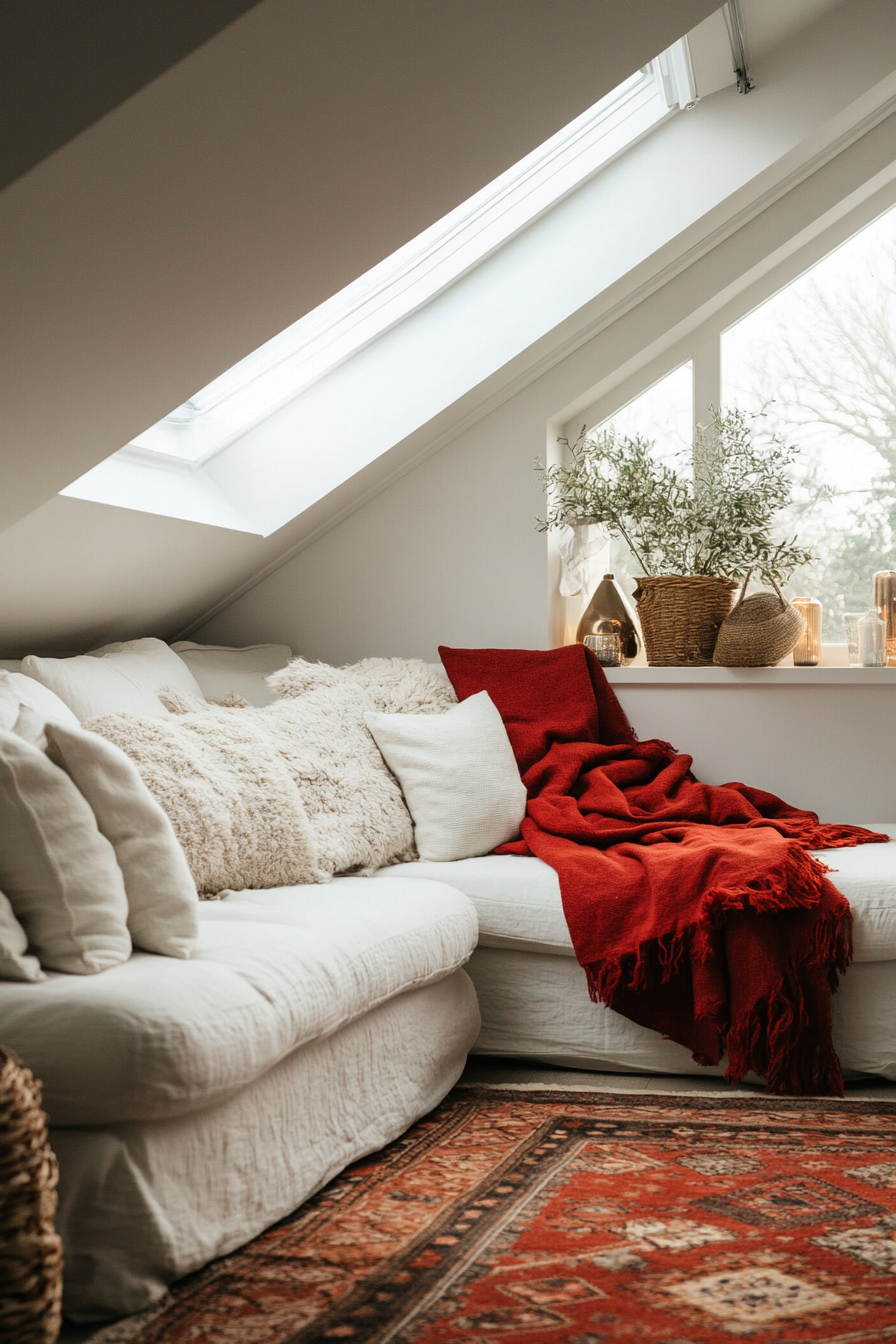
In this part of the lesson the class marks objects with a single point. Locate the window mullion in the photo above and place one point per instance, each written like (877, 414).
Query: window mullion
(707, 366)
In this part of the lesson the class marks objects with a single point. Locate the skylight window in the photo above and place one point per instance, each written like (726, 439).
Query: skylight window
(285, 366)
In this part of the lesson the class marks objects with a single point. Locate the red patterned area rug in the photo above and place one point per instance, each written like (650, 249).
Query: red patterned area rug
(545, 1216)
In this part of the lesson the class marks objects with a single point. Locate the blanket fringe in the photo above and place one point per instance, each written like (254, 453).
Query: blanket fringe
(798, 884)
(773, 1041)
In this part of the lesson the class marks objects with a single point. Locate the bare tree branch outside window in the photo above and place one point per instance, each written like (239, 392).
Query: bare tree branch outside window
(821, 356)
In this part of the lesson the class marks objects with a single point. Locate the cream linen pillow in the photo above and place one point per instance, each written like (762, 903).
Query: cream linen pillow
(458, 775)
(162, 909)
(231, 799)
(31, 694)
(15, 961)
(119, 678)
(59, 873)
(222, 671)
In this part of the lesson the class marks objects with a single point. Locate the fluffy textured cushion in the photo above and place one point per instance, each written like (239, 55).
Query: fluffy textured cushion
(117, 678)
(458, 776)
(353, 802)
(15, 961)
(231, 799)
(222, 671)
(162, 907)
(26, 693)
(60, 874)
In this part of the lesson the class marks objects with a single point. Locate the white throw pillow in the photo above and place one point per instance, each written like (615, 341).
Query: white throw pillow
(458, 775)
(118, 678)
(31, 694)
(162, 904)
(15, 961)
(60, 874)
(222, 671)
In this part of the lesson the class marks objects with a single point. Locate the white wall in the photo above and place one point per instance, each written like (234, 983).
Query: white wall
(449, 553)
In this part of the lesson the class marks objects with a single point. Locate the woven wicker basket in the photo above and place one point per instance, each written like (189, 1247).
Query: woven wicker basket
(759, 630)
(680, 617)
(30, 1250)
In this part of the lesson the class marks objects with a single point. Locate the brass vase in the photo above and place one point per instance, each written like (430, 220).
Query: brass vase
(608, 611)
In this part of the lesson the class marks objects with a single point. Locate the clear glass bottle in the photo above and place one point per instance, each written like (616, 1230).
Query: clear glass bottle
(807, 651)
(872, 640)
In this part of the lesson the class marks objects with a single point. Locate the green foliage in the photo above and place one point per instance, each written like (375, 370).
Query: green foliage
(716, 517)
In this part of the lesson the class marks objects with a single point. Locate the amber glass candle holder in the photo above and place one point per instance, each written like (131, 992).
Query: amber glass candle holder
(807, 650)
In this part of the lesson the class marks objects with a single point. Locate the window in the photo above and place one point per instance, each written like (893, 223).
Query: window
(664, 414)
(820, 357)
(289, 363)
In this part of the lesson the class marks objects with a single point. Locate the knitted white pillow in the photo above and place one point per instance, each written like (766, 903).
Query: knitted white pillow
(458, 775)
(162, 907)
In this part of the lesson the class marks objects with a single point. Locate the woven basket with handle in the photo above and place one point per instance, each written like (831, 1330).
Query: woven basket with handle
(680, 617)
(30, 1250)
(759, 630)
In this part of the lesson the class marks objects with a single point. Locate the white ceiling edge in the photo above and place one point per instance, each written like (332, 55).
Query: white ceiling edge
(705, 167)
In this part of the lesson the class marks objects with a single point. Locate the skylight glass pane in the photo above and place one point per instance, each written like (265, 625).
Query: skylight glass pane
(282, 368)
(821, 357)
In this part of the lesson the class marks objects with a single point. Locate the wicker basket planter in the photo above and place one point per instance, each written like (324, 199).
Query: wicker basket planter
(30, 1250)
(680, 617)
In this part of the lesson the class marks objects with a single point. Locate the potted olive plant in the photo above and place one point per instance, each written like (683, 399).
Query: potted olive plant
(693, 531)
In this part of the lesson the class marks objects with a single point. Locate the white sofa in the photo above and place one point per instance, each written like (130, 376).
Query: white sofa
(534, 1001)
(193, 1103)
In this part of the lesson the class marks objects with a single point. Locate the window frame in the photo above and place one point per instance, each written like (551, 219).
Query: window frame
(702, 346)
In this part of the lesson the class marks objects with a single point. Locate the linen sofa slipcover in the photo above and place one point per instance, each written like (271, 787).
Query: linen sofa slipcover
(533, 997)
(193, 1103)
(519, 906)
(157, 1037)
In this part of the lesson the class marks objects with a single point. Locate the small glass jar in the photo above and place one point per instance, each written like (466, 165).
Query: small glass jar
(807, 651)
(851, 627)
(606, 643)
(872, 640)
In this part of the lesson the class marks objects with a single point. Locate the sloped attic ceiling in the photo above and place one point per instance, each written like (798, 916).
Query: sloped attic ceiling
(64, 65)
(94, 572)
(257, 177)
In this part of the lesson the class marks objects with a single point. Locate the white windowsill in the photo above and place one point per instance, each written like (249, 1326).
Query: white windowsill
(752, 676)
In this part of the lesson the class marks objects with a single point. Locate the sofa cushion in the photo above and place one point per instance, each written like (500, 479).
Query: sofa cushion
(27, 693)
(223, 671)
(517, 899)
(273, 970)
(16, 963)
(231, 799)
(458, 776)
(59, 873)
(161, 893)
(519, 906)
(124, 677)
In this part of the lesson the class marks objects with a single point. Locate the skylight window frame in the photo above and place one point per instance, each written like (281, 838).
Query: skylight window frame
(414, 275)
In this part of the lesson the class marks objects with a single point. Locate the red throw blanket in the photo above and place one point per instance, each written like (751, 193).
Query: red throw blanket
(694, 908)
